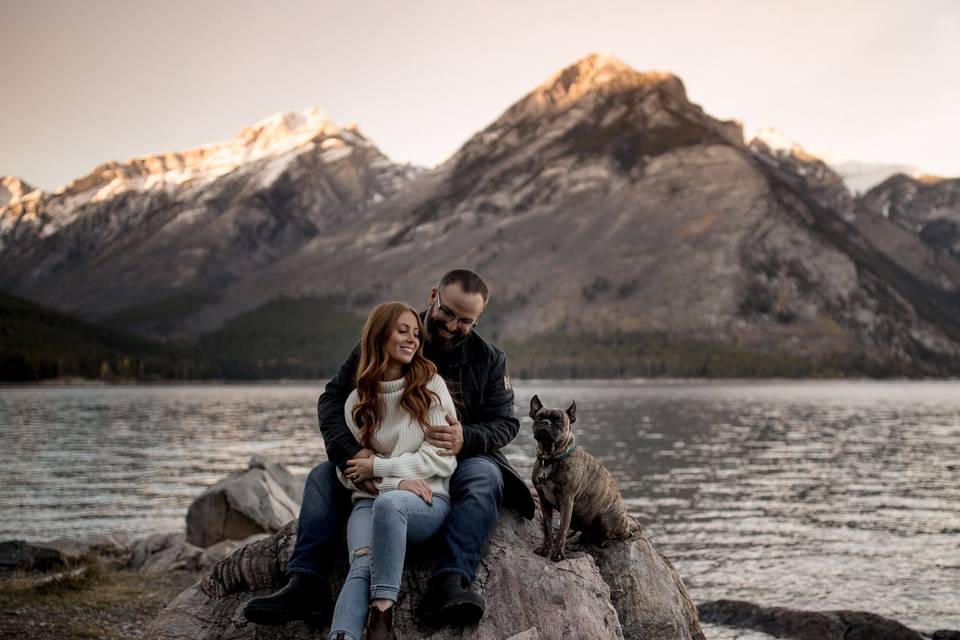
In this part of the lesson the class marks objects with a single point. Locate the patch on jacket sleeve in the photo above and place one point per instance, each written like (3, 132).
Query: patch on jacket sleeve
(506, 383)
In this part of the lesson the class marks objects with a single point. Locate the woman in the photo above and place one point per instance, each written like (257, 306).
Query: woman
(398, 394)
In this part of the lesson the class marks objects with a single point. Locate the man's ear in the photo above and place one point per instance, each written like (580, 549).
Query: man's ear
(572, 412)
(535, 406)
(433, 296)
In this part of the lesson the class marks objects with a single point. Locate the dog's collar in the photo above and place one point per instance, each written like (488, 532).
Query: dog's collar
(563, 455)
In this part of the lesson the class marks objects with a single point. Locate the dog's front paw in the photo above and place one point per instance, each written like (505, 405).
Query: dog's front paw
(558, 555)
(543, 550)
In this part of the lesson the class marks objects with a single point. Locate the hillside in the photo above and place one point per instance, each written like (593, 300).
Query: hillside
(37, 343)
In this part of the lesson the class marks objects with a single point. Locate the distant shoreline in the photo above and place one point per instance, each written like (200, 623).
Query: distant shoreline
(94, 382)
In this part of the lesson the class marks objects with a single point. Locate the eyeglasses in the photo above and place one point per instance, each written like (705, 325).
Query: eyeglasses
(447, 315)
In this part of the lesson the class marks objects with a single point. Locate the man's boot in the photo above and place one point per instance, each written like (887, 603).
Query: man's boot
(305, 597)
(450, 600)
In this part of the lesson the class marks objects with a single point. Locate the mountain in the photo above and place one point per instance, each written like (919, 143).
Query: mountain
(170, 231)
(894, 240)
(608, 209)
(624, 232)
(909, 217)
(928, 206)
(20, 224)
(819, 178)
(916, 223)
(860, 177)
(13, 190)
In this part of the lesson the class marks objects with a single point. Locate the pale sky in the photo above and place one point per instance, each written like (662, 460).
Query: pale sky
(87, 81)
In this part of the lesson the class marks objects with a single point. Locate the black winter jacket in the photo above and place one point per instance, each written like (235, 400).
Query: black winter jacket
(476, 374)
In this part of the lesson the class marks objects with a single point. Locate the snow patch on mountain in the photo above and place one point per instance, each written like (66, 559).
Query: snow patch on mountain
(860, 177)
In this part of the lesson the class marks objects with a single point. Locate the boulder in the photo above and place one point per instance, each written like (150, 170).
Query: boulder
(806, 625)
(259, 499)
(163, 552)
(219, 551)
(627, 590)
(20, 555)
(114, 551)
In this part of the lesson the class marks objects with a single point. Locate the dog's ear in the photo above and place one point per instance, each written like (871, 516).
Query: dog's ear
(572, 412)
(535, 406)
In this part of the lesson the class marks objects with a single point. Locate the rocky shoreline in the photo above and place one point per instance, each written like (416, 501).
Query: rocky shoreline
(782, 622)
(239, 534)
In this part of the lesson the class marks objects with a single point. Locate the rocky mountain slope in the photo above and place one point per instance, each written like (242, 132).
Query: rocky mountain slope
(607, 211)
(604, 201)
(13, 190)
(20, 222)
(928, 206)
(860, 177)
(894, 236)
(173, 229)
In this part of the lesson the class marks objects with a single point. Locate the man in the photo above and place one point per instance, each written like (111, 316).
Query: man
(476, 374)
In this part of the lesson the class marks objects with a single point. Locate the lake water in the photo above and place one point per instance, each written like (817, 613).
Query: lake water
(814, 495)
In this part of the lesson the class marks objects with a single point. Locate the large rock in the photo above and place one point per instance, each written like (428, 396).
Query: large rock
(113, 550)
(625, 591)
(260, 499)
(807, 625)
(20, 555)
(164, 552)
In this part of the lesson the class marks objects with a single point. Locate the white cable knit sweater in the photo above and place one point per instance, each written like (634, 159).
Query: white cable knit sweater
(402, 452)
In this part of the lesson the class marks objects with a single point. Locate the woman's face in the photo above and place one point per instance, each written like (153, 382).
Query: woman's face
(403, 341)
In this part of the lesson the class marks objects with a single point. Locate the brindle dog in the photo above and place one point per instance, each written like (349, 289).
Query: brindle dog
(573, 482)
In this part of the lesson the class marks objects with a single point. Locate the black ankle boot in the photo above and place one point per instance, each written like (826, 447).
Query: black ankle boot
(450, 600)
(380, 624)
(305, 597)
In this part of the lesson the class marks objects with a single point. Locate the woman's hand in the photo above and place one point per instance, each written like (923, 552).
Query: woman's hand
(419, 487)
(359, 469)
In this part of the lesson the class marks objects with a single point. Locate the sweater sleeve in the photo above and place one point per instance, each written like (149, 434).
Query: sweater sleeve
(425, 462)
(348, 415)
(390, 483)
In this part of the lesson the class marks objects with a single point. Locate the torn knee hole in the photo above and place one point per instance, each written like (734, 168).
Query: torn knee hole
(362, 551)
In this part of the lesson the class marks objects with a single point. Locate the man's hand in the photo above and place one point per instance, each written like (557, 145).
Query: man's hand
(447, 437)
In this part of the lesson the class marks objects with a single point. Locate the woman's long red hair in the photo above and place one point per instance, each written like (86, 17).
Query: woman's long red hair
(374, 361)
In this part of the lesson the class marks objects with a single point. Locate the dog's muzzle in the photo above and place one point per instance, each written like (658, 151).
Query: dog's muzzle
(542, 436)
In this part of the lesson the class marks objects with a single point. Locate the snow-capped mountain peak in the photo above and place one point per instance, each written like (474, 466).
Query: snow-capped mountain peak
(285, 129)
(14, 190)
(778, 142)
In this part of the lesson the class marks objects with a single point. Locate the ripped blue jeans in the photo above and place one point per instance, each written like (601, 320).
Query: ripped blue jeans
(377, 535)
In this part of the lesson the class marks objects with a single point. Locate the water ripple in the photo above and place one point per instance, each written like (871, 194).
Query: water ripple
(816, 495)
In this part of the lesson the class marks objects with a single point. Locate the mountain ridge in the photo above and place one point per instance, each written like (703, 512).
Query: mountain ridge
(200, 219)
(602, 203)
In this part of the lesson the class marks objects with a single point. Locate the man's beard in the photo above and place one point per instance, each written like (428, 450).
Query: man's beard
(434, 327)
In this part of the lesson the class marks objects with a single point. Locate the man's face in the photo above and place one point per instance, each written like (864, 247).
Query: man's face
(452, 314)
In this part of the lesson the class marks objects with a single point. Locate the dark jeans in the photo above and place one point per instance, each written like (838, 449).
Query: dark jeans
(476, 493)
